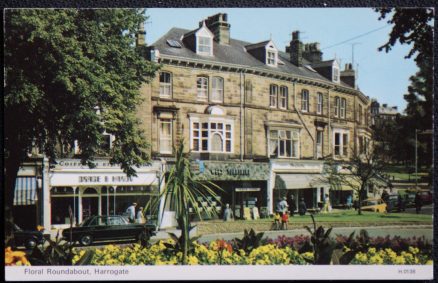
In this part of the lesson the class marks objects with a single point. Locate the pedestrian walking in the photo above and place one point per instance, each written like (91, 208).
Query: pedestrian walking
(131, 212)
(302, 208)
(385, 196)
(327, 206)
(139, 218)
(283, 206)
(284, 220)
(418, 202)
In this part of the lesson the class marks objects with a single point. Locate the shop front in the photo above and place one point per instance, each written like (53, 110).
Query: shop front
(103, 190)
(243, 187)
(298, 180)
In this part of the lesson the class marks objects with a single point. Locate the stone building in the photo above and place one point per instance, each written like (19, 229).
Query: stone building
(257, 120)
(382, 112)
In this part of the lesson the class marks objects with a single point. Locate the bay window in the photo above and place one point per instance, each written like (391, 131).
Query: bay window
(212, 136)
(284, 143)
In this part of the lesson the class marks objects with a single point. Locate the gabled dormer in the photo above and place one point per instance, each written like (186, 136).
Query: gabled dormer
(329, 69)
(264, 51)
(200, 40)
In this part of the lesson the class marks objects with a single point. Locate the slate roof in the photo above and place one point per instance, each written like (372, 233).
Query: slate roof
(232, 54)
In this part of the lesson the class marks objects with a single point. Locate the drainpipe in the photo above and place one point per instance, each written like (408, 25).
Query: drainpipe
(302, 121)
(329, 125)
(242, 91)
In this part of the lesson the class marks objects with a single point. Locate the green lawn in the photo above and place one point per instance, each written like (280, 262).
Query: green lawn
(402, 173)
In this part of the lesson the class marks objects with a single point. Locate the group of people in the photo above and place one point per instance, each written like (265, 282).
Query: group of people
(283, 209)
(135, 215)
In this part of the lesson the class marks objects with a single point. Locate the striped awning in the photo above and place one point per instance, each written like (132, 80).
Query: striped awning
(25, 191)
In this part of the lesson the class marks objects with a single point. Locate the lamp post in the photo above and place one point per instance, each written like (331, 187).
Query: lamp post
(416, 160)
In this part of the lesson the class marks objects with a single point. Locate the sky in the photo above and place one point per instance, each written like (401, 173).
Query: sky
(381, 75)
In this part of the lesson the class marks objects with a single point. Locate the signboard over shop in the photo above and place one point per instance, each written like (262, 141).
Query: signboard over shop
(72, 179)
(100, 164)
(230, 171)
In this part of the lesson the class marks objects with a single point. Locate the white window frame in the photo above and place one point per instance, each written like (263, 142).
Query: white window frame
(343, 148)
(162, 138)
(217, 89)
(271, 57)
(273, 95)
(294, 138)
(305, 101)
(202, 89)
(320, 136)
(335, 74)
(226, 132)
(283, 97)
(343, 107)
(165, 87)
(206, 45)
(320, 103)
(337, 105)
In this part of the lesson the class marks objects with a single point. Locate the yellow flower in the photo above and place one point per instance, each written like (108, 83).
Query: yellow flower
(414, 250)
(429, 262)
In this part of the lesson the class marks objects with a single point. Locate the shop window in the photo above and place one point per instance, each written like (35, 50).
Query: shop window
(212, 136)
(202, 86)
(217, 89)
(166, 136)
(283, 97)
(283, 143)
(273, 94)
(305, 100)
(165, 84)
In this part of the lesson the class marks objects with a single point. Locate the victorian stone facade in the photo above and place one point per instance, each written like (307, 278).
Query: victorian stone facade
(238, 106)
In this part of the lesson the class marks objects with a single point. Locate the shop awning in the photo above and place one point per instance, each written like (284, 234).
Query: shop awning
(25, 191)
(298, 181)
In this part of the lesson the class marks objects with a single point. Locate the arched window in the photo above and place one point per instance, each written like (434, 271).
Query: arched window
(217, 143)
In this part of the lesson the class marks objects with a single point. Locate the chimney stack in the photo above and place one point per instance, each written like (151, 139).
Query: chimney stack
(385, 105)
(312, 52)
(219, 26)
(296, 49)
(141, 35)
(348, 76)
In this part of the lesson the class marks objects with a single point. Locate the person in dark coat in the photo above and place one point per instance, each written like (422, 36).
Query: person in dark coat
(401, 203)
(418, 202)
(302, 208)
(292, 205)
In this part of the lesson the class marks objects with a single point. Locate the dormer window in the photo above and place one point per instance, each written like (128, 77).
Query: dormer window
(271, 58)
(204, 41)
(335, 74)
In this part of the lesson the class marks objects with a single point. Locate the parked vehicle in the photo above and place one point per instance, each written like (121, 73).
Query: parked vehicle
(375, 205)
(27, 238)
(426, 196)
(103, 228)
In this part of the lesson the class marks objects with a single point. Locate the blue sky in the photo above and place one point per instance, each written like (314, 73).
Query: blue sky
(381, 75)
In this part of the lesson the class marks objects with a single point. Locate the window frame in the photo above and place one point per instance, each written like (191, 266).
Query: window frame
(305, 102)
(168, 138)
(271, 57)
(165, 85)
(294, 143)
(319, 105)
(204, 88)
(283, 97)
(273, 96)
(337, 105)
(215, 89)
(201, 45)
(343, 148)
(343, 108)
(201, 135)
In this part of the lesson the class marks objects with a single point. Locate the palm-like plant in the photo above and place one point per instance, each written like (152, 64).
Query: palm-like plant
(182, 190)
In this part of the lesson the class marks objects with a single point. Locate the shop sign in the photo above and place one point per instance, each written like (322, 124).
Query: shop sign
(76, 163)
(297, 167)
(232, 171)
(69, 179)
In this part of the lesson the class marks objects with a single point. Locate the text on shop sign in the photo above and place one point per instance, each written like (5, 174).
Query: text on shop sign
(98, 179)
(231, 172)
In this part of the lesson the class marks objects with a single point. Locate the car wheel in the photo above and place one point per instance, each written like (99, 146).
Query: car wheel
(86, 240)
(30, 244)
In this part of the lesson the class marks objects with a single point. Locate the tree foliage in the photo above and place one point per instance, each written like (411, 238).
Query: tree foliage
(61, 65)
(413, 26)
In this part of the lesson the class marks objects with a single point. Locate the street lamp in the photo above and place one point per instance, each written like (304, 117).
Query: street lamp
(416, 160)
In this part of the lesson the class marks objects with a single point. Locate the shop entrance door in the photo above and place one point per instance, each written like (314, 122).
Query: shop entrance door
(245, 199)
(90, 203)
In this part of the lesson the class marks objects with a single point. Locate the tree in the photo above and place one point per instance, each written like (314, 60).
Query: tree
(413, 26)
(360, 172)
(181, 191)
(61, 66)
